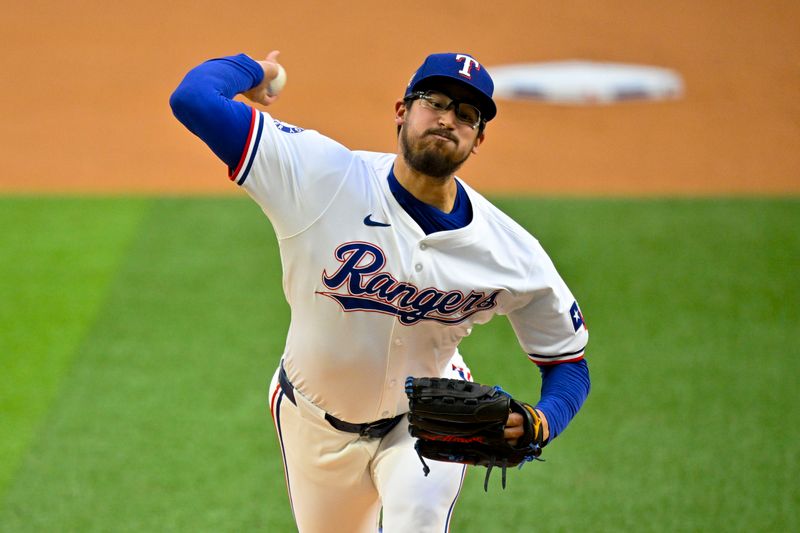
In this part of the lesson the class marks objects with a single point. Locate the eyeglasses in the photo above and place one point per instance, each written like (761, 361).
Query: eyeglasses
(465, 113)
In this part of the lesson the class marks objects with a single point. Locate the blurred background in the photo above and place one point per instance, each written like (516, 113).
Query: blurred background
(85, 103)
(141, 315)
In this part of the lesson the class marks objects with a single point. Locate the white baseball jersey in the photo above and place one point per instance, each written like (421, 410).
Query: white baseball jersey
(373, 299)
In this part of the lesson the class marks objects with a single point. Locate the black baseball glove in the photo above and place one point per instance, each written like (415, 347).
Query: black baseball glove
(462, 422)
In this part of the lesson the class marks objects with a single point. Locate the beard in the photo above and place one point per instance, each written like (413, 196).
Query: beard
(426, 155)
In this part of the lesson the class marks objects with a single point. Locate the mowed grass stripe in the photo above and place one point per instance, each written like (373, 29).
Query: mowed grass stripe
(57, 257)
(163, 424)
(692, 424)
(693, 421)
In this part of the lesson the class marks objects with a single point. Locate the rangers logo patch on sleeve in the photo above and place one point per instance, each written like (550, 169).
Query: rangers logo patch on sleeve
(286, 128)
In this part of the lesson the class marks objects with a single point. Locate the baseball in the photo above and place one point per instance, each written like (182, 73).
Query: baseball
(276, 85)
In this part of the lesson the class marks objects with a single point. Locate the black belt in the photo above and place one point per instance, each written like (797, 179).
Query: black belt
(372, 430)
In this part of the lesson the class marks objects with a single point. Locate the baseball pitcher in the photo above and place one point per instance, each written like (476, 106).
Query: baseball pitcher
(389, 260)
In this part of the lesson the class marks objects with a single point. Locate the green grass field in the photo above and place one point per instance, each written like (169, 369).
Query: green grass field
(138, 335)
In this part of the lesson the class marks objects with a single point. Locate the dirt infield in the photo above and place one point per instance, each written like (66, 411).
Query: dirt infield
(87, 88)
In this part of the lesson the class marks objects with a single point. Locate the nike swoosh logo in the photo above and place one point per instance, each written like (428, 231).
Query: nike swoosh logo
(369, 222)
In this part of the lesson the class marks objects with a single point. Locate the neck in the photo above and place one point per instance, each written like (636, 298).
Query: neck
(438, 192)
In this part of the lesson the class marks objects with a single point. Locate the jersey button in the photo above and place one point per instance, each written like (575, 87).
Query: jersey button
(423, 246)
(392, 383)
(398, 342)
(385, 414)
(418, 267)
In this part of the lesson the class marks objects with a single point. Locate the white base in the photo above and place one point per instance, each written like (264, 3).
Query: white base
(584, 82)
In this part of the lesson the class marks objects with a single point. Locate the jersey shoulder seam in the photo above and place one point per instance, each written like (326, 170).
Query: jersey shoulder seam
(330, 202)
(504, 221)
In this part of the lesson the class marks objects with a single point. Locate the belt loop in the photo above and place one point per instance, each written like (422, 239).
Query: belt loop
(286, 385)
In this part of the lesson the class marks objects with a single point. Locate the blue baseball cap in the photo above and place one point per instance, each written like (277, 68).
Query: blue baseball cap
(462, 68)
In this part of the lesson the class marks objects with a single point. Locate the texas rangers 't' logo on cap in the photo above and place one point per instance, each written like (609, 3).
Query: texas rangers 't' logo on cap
(469, 64)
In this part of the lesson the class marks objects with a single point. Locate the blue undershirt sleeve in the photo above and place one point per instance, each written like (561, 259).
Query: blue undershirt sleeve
(203, 103)
(565, 387)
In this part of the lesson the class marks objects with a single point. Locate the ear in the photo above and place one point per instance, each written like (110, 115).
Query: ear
(400, 111)
(478, 141)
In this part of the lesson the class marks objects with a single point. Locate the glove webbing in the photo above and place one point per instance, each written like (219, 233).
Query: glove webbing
(504, 466)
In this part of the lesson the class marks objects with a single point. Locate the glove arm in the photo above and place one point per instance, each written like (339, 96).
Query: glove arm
(565, 387)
